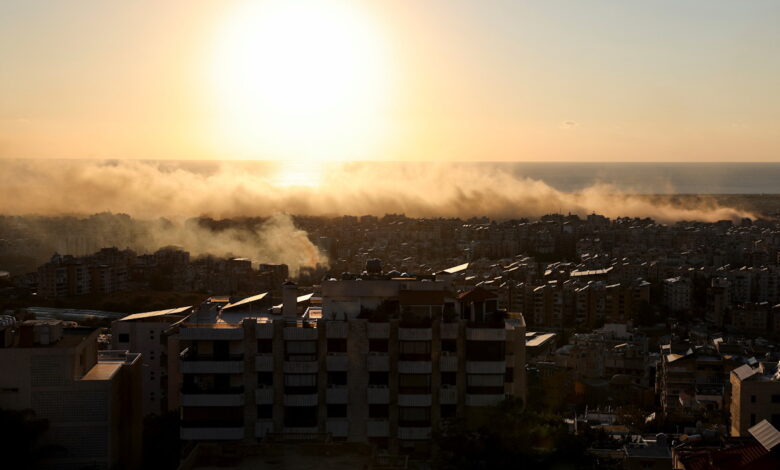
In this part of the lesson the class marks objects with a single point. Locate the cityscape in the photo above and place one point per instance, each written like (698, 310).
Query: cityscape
(325, 234)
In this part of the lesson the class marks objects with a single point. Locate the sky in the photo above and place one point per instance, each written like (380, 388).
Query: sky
(434, 80)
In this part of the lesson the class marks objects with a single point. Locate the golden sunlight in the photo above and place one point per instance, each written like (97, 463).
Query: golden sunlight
(304, 80)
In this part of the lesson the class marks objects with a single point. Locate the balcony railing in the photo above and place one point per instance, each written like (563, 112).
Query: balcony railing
(449, 330)
(264, 396)
(378, 362)
(264, 363)
(414, 334)
(414, 367)
(414, 433)
(337, 362)
(263, 428)
(485, 333)
(405, 399)
(448, 363)
(337, 427)
(336, 329)
(378, 330)
(337, 396)
(377, 428)
(378, 395)
(484, 400)
(485, 367)
(448, 395)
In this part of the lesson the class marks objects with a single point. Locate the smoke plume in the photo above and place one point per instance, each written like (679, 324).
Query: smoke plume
(238, 189)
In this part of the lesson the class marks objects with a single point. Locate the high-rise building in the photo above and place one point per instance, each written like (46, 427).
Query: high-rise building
(382, 360)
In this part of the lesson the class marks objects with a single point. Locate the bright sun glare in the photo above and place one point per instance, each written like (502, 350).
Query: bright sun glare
(304, 80)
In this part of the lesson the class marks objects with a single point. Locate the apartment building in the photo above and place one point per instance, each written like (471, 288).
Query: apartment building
(89, 398)
(693, 381)
(145, 333)
(382, 360)
(755, 396)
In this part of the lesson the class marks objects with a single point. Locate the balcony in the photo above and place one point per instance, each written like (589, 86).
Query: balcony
(414, 334)
(405, 399)
(485, 367)
(337, 362)
(378, 428)
(212, 367)
(484, 400)
(264, 427)
(378, 395)
(303, 433)
(448, 395)
(336, 329)
(304, 367)
(378, 362)
(212, 333)
(311, 399)
(414, 434)
(212, 433)
(449, 330)
(486, 334)
(414, 367)
(264, 396)
(300, 334)
(212, 399)
(448, 363)
(378, 330)
(337, 427)
(264, 363)
(337, 396)
(264, 331)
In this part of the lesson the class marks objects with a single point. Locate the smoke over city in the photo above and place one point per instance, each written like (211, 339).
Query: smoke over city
(239, 189)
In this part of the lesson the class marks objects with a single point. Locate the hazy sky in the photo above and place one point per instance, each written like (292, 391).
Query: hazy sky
(569, 80)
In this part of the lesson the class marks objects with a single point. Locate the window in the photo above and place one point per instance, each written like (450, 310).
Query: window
(449, 345)
(265, 411)
(752, 398)
(337, 345)
(124, 338)
(337, 411)
(337, 378)
(300, 416)
(378, 411)
(449, 378)
(377, 345)
(265, 346)
(448, 411)
(752, 419)
(775, 398)
(265, 379)
(378, 378)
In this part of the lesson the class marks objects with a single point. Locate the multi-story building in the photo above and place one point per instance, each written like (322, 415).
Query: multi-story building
(144, 333)
(755, 396)
(382, 359)
(89, 398)
(693, 382)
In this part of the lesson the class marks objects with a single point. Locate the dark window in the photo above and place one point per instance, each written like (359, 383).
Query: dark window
(337, 378)
(752, 398)
(378, 411)
(300, 416)
(448, 411)
(337, 411)
(265, 411)
(775, 398)
(509, 376)
(377, 345)
(337, 345)
(414, 383)
(124, 338)
(265, 378)
(449, 345)
(752, 419)
(378, 378)
(449, 378)
(265, 346)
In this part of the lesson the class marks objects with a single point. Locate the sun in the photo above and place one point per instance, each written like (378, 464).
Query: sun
(304, 80)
